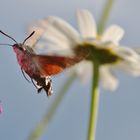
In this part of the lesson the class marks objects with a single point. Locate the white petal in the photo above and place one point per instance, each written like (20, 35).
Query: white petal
(137, 50)
(54, 36)
(131, 61)
(36, 36)
(113, 34)
(83, 70)
(128, 54)
(87, 24)
(60, 32)
(108, 80)
(51, 49)
(132, 69)
(59, 40)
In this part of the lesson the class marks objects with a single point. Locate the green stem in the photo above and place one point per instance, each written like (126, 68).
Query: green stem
(104, 17)
(94, 103)
(94, 94)
(41, 127)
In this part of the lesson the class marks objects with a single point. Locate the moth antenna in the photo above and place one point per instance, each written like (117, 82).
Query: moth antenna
(8, 36)
(6, 44)
(28, 37)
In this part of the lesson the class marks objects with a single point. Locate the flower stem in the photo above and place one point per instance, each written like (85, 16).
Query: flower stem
(94, 103)
(41, 127)
(104, 17)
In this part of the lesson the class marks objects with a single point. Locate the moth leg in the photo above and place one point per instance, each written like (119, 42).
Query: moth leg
(34, 84)
(25, 76)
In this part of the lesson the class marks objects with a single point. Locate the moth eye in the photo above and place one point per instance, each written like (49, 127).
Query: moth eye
(20, 48)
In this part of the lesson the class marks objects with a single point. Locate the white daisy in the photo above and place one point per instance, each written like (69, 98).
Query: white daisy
(105, 48)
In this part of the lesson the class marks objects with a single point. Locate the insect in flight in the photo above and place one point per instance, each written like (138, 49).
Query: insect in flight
(40, 68)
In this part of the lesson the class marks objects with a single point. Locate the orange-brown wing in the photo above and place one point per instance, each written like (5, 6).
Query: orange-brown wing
(50, 65)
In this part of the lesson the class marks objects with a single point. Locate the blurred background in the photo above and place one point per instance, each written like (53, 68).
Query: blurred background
(119, 112)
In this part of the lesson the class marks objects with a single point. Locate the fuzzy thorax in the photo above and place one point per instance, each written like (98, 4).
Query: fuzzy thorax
(25, 61)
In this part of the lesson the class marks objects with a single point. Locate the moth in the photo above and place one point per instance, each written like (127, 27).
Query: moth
(40, 67)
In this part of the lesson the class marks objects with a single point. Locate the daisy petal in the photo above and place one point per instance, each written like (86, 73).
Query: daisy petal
(60, 32)
(128, 54)
(131, 61)
(83, 70)
(87, 24)
(132, 69)
(51, 49)
(36, 36)
(113, 34)
(137, 50)
(108, 80)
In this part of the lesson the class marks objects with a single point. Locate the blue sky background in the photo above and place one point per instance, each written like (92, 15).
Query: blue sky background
(119, 112)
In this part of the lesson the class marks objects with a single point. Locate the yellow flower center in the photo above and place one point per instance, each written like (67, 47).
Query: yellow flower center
(98, 53)
(98, 37)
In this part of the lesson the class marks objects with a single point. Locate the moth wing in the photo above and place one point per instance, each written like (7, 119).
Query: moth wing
(51, 65)
(57, 34)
